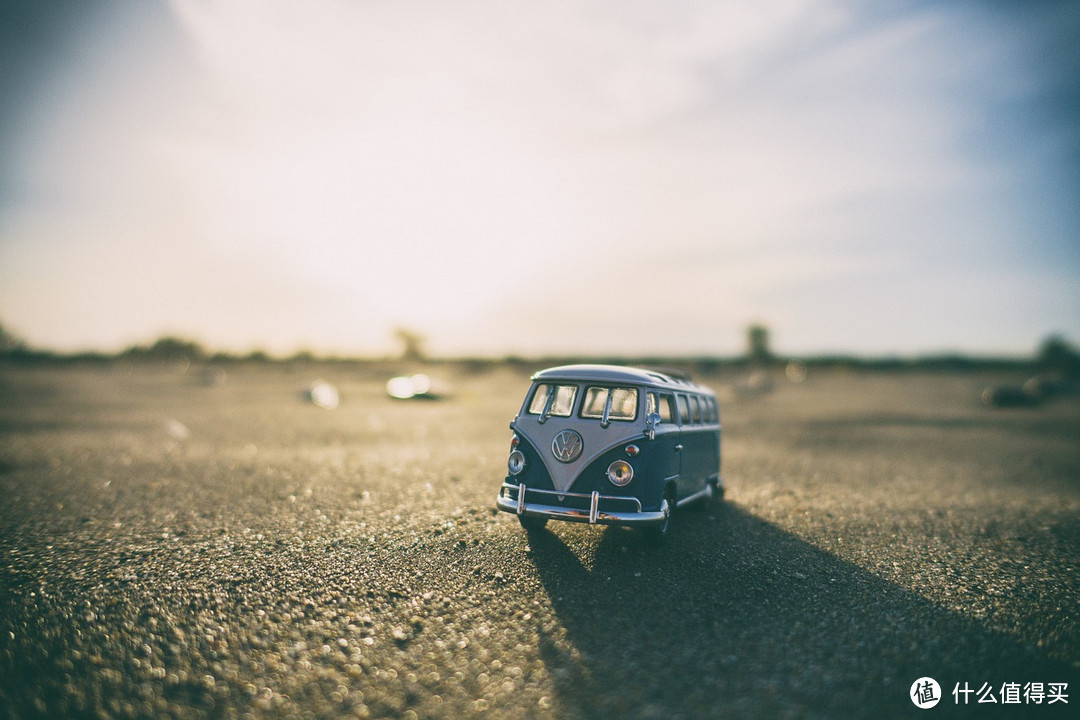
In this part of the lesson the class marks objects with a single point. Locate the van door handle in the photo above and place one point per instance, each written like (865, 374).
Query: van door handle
(678, 448)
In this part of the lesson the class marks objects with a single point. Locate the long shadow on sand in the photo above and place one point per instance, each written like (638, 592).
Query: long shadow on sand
(737, 618)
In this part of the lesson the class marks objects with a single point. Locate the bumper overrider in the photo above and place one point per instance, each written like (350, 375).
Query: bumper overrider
(602, 509)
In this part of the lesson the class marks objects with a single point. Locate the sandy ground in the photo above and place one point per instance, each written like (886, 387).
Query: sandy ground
(171, 545)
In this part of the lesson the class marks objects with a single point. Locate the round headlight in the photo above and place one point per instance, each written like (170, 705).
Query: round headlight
(620, 473)
(516, 462)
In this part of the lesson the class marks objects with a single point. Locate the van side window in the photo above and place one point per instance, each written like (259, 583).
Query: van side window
(714, 416)
(660, 404)
(667, 411)
(684, 410)
(695, 408)
(562, 400)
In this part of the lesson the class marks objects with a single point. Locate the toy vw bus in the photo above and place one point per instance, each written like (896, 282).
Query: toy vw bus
(610, 445)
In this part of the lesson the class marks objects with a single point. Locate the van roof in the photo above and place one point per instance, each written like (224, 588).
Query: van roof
(620, 374)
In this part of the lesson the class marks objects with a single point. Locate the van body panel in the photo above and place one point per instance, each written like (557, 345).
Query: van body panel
(595, 441)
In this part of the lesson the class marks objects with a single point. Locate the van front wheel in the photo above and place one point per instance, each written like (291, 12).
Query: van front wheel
(531, 523)
(657, 534)
(715, 496)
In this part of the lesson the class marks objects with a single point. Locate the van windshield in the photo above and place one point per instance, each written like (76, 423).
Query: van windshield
(610, 403)
(557, 400)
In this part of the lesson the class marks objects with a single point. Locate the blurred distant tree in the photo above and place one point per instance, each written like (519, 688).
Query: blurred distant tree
(170, 347)
(1057, 355)
(167, 348)
(10, 342)
(757, 339)
(412, 344)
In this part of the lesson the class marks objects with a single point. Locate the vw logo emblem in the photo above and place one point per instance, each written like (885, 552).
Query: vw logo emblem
(566, 446)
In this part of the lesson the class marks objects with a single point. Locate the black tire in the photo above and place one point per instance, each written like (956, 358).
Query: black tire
(532, 523)
(656, 535)
(718, 493)
(715, 496)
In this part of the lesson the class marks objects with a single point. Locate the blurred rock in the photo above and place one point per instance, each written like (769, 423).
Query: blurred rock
(323, 394)
(795, 371)
(177, 430)
(1010, 396)
(213, 377)
(1048, 386)
(759, 382)
(416, 387)
(1033, 392)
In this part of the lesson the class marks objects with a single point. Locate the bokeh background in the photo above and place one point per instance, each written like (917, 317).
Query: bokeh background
(856, 221)
(524, 178)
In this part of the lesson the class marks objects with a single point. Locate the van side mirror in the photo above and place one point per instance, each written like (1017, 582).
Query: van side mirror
(651, 421)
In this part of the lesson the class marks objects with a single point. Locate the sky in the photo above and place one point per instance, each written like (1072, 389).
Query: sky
(526, 177)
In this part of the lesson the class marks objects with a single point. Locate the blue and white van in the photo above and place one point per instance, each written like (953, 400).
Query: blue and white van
(610, 445)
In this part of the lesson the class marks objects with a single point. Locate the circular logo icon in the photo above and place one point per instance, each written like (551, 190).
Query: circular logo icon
(925, 693)
(566, 446)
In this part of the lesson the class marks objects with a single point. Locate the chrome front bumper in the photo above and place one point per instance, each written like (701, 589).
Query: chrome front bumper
(529, 502)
